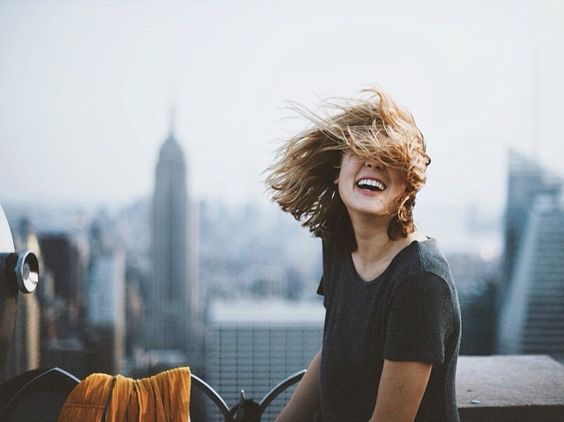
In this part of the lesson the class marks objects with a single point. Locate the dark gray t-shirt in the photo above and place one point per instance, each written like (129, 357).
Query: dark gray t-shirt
(408, 313)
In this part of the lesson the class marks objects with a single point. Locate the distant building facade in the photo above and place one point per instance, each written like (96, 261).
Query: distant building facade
(173, 323)
(61, 297)
(527, 180)
(65, 260)
(106, 311)
(255, 345)
(532, 312)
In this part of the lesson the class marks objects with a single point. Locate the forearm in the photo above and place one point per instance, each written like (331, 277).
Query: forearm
(305, 400)
(400, 391)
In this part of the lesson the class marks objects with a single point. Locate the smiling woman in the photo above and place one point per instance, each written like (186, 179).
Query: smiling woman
(378, 130)
(392, 324)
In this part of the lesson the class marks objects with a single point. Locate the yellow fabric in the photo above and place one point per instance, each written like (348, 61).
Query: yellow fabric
(104, 398)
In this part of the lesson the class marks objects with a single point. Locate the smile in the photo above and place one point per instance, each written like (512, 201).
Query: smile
(372, 185)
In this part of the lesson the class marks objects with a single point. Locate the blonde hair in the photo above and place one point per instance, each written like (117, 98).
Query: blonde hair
(302, 178)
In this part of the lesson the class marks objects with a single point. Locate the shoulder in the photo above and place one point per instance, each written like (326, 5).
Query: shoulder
(423, 287)
(423, 257)
(423, 268)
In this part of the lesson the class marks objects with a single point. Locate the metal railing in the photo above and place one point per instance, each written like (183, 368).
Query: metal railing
(246, 410)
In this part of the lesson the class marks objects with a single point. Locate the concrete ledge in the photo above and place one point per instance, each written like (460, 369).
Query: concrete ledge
(510, 388)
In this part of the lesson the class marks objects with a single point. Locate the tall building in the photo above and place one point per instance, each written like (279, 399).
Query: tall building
(106, 311)
(526, 181)
(173, 326)
(62, 303)
(252, 346)
(531, 319)
(64, 259)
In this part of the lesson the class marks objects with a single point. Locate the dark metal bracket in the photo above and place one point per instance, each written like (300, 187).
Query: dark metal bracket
(246, 410)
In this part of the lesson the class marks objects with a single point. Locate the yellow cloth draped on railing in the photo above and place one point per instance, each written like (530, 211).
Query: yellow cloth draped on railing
(106, 398)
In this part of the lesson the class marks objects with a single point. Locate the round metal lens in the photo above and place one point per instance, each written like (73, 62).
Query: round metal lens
(27, 272)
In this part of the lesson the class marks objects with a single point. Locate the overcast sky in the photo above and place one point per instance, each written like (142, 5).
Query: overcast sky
(86, 89)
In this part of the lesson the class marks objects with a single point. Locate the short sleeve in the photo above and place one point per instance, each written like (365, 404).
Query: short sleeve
(420, 319)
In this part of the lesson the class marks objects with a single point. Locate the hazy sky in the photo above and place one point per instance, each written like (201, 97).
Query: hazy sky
(86, 89)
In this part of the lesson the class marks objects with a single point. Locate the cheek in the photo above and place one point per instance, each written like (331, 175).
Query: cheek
(397, 195)
(400, 188)
(400, 184)
(345, 172)
(344, 189)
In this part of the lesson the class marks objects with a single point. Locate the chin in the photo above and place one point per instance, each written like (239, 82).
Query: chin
(371, 212)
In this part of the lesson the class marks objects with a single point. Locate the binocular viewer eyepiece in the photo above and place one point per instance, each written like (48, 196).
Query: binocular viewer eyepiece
(19, 272)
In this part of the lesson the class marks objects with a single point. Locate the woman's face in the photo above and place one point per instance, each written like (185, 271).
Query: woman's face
(369, 188)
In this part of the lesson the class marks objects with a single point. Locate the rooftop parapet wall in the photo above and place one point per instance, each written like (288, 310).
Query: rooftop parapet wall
(505, 388)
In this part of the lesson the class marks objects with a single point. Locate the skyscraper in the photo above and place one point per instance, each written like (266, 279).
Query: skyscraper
(106, 310)
(532, 312)
(527, 180)
(64, 258)
(173, 320)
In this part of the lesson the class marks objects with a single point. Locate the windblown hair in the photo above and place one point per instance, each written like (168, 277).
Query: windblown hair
(377, 129)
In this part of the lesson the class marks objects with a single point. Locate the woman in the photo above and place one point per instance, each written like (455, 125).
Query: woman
(392, 324)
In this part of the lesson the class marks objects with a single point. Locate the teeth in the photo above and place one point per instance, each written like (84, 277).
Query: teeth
(371, 184)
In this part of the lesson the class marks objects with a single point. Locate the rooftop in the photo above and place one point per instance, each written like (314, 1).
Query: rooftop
(275, 311)
(510, 388)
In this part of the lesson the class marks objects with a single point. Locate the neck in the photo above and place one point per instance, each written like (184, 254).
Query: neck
(373, 242)
(371, 235)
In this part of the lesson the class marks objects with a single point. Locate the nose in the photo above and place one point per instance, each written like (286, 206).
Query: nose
(373, 164)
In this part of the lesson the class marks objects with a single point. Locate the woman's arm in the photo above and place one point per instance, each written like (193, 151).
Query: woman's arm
(305, 400)
(401, 389)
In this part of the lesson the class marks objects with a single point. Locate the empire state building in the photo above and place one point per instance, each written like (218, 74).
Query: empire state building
(174, 300)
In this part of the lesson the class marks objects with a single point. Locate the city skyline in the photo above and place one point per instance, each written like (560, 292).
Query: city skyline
(85, 109)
